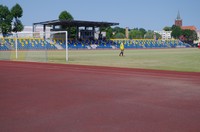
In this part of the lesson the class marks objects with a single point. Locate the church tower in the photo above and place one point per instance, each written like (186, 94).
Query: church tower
(178, 21)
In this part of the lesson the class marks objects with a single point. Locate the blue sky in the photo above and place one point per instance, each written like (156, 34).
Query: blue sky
(148, 14)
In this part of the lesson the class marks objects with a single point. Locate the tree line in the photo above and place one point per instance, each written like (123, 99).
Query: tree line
(135, 33)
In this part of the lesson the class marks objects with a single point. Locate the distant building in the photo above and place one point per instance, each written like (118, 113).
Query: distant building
(178, 20)
(28, 29)
(198, 35)
(38, 33)
(165, 34)
(37, 29)
(189, 27)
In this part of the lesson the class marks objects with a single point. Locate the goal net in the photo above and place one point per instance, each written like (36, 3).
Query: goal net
(35, 47)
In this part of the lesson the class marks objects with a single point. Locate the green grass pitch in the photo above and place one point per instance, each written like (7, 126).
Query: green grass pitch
(177, 59)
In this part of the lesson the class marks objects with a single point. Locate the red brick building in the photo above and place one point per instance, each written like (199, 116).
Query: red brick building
(179, 22)
(189, 27)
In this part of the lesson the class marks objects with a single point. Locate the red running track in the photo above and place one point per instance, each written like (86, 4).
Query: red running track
(37, 97)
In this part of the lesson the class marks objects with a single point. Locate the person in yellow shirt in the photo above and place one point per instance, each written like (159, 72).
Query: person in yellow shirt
(121, 49)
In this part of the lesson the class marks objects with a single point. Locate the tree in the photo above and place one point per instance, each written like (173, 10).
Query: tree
(109, 33)
(108, 30)
(118, 30)
(119, 35)
(17, 13)
(5, 20)
(167, 28)
(176, 32)
(158, 36)
(189, 36)
(136, 34)
(143, 32)
(64, 15)
(149, 35)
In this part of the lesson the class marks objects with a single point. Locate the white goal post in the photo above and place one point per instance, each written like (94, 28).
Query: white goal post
(34, 46)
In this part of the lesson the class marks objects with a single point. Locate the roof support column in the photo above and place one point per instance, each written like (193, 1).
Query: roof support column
(100, 35)
(44, 30)
(93, 32)
(77, 32)
(33, 28)
(54, 27)
(69, 32)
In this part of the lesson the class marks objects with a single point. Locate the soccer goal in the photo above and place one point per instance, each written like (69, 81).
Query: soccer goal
(36, 47)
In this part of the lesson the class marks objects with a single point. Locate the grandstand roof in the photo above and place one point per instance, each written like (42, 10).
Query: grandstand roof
(73, 23)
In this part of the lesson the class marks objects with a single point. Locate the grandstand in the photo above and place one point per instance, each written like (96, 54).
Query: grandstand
(58, 44)
(26, 44)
